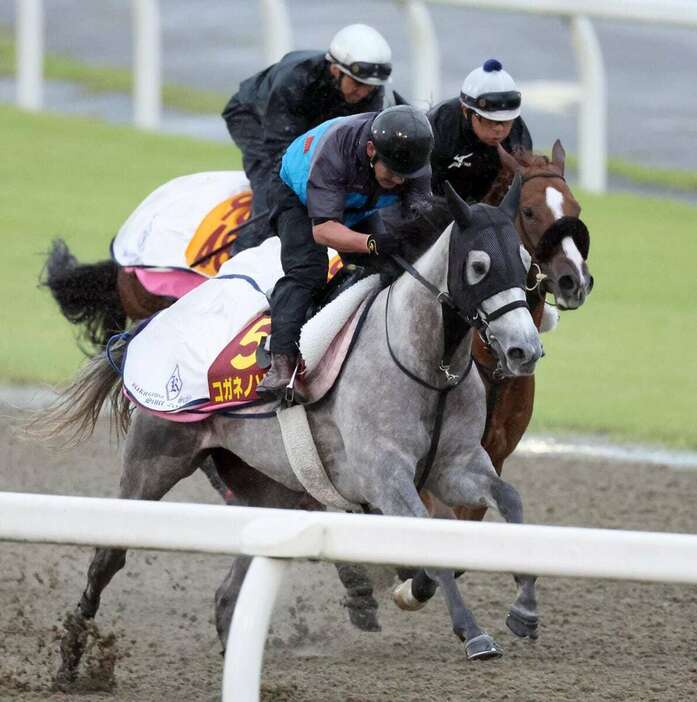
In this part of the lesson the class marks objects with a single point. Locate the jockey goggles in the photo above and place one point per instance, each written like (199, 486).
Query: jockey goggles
(493, 102)
(362, 70)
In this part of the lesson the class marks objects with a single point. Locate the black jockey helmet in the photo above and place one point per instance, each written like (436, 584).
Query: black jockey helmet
(403, 140)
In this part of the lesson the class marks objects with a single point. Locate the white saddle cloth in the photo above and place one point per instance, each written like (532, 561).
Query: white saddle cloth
(159, 230)
(167, 363)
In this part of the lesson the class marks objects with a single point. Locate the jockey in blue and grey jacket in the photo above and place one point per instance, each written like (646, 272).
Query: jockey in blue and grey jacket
(332, 183)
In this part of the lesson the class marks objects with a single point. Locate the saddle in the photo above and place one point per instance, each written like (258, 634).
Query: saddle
(198, 387)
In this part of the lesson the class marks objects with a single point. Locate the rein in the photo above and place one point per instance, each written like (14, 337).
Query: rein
(452, 336)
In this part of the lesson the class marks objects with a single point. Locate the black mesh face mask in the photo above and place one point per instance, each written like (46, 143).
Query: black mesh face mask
(492, 232)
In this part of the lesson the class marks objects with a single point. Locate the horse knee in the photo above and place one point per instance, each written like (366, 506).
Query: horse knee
(508, 501)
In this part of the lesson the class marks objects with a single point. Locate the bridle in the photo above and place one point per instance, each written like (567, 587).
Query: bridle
(452, 335)
(540, 277)
(526, 236)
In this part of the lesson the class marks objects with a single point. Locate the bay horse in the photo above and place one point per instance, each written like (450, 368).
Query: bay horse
(417, 342)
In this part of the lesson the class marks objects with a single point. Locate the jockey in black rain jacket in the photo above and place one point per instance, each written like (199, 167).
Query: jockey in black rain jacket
(302, 90)
(468, 128)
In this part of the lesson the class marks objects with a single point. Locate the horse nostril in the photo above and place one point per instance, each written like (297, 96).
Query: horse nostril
(566, 282)
(516, 354)
(591, 283)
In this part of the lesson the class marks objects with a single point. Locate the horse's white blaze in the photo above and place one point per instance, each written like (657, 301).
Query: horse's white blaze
(568, 246)
(555, 201)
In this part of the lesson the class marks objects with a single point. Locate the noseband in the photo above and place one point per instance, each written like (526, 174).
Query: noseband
(572, 227)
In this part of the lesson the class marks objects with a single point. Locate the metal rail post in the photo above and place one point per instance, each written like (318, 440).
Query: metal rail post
(147, 79)
(249, 628)
(30, 53)
(278, 35)
(592, 116)
(425, 56)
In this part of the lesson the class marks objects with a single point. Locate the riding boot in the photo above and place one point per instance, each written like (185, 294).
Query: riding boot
(278, 376)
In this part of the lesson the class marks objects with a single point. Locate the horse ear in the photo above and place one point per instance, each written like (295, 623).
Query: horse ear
(459, 209)
(509, 206)
(558, 156)
(507, 160)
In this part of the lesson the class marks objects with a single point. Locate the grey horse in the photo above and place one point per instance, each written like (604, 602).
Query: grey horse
(410, 369)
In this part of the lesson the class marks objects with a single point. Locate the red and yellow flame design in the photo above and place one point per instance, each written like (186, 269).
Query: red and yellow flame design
(217, 229)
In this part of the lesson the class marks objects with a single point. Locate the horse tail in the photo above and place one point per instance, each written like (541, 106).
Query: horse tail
(75, 411)
(87, 294)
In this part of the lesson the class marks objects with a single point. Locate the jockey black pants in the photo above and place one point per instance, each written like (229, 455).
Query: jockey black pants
(305, 266)
(247, 132)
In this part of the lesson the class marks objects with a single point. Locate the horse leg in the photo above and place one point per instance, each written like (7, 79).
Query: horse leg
(401, 499)
(479, 484)
(143, 478)
(360, 602)
(246, 487)
(522, 618)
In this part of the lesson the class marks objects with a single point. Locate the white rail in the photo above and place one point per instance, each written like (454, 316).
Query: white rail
(147, 87)
(30, 53)
(270, 535)
(592, 98)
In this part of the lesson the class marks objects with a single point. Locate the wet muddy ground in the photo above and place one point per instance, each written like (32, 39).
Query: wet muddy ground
(154, 637)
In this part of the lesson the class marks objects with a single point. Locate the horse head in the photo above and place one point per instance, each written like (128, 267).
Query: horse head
(549, 225)
(487, 271)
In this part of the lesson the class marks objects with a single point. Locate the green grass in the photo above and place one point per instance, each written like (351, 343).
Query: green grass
(105, 79)
(624, 364)
(100, 79)
(77, 179)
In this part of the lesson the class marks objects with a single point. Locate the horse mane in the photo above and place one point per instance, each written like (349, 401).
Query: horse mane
(420, 232)
(527, 160)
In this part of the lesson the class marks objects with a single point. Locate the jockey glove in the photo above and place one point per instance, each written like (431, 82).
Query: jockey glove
(383, 243)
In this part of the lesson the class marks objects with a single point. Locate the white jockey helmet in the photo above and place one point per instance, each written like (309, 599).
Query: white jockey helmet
(491, 92)
(362, 53)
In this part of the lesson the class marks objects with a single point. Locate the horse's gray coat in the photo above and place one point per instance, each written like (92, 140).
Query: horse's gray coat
(373, 427)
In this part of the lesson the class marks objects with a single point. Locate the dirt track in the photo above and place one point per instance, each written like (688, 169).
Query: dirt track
(598, 640)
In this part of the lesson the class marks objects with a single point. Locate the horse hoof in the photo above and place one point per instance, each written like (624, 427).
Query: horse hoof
(365, 619)
(72, 646)
(404, 599)
(523, 625)
(363, 612)
(482, 647)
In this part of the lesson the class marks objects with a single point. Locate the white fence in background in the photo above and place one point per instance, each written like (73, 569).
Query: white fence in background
(275, 537)
(590, 92)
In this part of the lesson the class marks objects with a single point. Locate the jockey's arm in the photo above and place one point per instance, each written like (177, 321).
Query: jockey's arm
(339, 237)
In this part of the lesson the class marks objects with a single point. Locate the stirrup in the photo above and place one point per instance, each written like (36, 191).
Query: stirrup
(289, 391)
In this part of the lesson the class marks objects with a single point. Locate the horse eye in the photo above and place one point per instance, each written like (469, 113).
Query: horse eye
(527, 212)
(477, 266)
